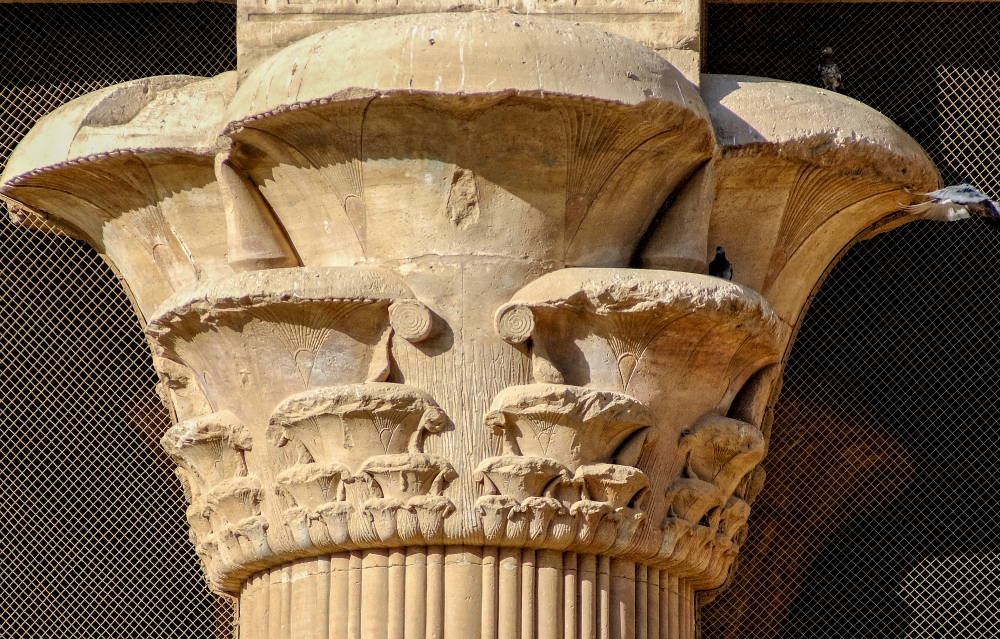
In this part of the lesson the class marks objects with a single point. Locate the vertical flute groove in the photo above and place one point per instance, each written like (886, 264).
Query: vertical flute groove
(375, 594)
(396, 622)
(570, 594)
(491, 557)
(622, 599)
(354, 597)
(251, 613)
(323, 597)
(641, 601)
(301, 595)
(463, 579)
(604, 597)
(589, 597)
(549, 606)
(653, 604)
(340, 602)
(286, 602)
(248, 605)
(527, 594)
(687, 608)
(459, 592)
(435, 592)
(509, 594)
(673, 609)
(665, 615)
(416, 593)
(274, 603)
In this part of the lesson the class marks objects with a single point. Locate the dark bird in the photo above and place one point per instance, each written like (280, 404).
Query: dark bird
(958, 202)
(720, 266)
(830, 72)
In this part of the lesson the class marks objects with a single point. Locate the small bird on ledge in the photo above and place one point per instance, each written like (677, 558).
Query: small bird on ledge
(720, 266)
(829, 72)
(958, 202)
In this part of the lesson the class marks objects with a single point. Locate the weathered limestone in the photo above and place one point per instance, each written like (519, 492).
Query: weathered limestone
(418, 388)
(672, 28)
(811, 180)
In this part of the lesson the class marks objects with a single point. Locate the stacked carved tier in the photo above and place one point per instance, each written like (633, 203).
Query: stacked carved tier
(346, 464)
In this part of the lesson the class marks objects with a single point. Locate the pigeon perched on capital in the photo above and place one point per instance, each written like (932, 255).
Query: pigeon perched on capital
(829, 72)
(720, 266)
(958, 202)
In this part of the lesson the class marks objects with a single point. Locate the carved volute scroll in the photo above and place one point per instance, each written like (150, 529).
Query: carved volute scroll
(387, 281)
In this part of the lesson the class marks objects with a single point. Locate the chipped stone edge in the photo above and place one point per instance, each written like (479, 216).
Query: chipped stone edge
(611, 290)
(258, 289)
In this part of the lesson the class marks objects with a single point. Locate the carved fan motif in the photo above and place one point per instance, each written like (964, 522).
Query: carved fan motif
(303, 329)
(628, 335)
(599, 137)
(818, 194)
(330, 140)
(386, 423)
(542, 426)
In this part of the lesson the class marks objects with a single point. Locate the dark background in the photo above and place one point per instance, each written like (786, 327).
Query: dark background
(92, 530)
(904, 331)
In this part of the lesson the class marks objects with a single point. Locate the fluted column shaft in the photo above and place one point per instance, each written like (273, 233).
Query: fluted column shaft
(397, 595)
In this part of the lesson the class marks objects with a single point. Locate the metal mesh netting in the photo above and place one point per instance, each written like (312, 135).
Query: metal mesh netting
(932, 68)
(91, 516)
(877, 518)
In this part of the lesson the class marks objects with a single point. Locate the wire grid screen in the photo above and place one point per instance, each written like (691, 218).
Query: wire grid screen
(878, 516)
(91, 516)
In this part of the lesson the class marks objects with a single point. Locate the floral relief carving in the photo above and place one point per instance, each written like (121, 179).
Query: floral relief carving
(719, 455)
(224, 512)
(561, 475)
(361, 475)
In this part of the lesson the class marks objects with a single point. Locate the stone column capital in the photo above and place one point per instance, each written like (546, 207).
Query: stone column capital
(390, 286)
